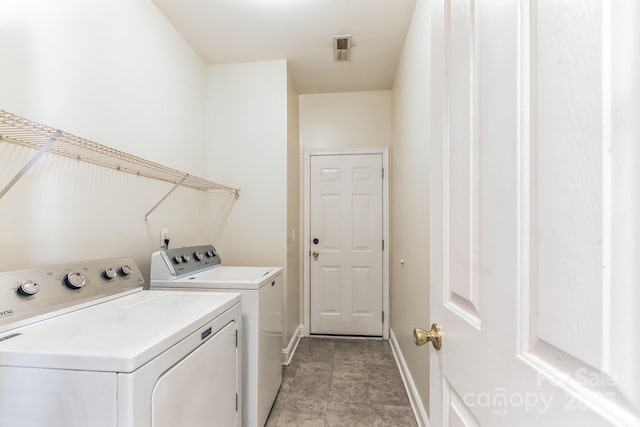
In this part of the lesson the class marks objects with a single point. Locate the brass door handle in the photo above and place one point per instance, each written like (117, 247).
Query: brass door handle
(315, 254)
(421, 337)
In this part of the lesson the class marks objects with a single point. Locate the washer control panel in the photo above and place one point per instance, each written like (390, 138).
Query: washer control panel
(181, 261)
(34, 292)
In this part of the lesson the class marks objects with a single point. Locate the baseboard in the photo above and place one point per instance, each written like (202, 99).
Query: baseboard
(287, 353)
(416, 404)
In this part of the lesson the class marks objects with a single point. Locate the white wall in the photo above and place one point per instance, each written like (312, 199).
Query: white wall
(410, 199)
(345, 120)
(247, 145)
(294, 279)
(252, 142)
(118, 73)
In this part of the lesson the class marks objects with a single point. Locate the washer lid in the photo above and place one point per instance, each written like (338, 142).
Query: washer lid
(115, 336)
(225, 277)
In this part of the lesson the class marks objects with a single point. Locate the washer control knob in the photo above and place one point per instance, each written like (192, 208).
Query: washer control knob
(186, 258)
(177, 259)
(198, 256)
(110, 273)
(75, 280)
(210, 254)
(126, 270)
(29, 288)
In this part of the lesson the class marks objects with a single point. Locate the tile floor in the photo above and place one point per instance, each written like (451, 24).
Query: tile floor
(342, 382)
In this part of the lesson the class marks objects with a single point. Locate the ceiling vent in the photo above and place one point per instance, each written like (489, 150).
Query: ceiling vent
(342, 48)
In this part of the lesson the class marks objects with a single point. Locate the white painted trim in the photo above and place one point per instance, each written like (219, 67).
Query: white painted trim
(416, 404)
(307, 228)
(287, 353)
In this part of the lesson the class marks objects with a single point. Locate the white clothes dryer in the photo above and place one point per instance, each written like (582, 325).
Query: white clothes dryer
(82, 345)
(198, 268)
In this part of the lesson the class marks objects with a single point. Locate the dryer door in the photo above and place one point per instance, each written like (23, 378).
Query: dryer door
(200, 390)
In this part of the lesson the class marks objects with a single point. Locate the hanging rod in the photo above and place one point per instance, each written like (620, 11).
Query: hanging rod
(43, 138)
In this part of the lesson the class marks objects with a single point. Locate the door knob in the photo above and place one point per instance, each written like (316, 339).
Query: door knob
(315, 254)
(421, 337)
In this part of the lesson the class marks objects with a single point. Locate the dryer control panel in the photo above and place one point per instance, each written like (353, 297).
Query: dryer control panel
(173, 263)
(43, 292)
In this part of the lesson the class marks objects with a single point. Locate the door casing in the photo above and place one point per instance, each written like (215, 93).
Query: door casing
(307, 229)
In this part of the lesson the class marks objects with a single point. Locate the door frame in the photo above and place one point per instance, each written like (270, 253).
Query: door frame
(306, 213)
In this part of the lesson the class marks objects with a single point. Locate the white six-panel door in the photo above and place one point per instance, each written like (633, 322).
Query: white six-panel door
(535, 221)
(346, 218)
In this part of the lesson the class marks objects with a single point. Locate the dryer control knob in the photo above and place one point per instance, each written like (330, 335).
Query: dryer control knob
(177, 259)
(75, 280)
(198, 256)
(28, 288)
(110, 273)
(126, 270)
(186, 258)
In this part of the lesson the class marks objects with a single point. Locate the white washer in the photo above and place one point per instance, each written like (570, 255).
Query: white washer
(83, 345)
(198, 268)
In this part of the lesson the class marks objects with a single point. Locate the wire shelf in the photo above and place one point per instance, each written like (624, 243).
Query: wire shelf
(25, 132)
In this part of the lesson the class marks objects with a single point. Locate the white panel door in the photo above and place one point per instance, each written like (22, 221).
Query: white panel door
(535, 232)
(346, 262)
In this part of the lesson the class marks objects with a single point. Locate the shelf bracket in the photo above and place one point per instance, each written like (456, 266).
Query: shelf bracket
(30, 163)
(165, 196)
